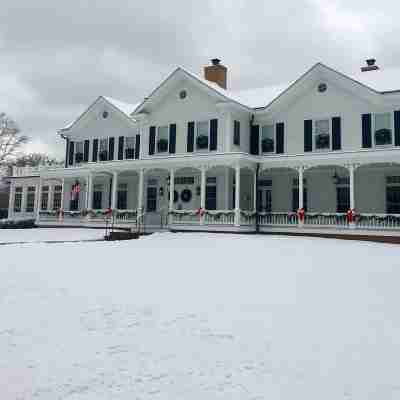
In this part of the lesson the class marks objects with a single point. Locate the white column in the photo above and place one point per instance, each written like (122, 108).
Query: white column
(301, 191)
(351, 184)
(114, 191)
(202, 191)
(301, 187)
(89, 191)
(140, 191)
(237, 195)
(171, 189)
(255, 177)
(39, 199)
(203, 188)
(11, 200)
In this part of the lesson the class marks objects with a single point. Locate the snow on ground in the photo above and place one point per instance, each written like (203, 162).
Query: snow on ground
(49, 234)
(200, 317)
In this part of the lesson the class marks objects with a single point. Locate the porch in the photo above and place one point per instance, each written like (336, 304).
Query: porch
(226, 197)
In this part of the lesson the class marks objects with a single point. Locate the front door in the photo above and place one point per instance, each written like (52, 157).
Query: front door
(151, 199)
(264, 200)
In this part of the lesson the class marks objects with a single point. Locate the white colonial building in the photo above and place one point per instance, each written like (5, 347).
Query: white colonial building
(194, 155)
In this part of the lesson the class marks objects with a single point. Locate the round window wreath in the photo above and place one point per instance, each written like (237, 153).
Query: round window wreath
(186, 195)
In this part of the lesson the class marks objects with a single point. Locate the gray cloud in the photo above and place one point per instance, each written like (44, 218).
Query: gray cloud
(57, 57)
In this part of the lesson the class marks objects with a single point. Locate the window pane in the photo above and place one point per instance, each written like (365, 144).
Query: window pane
(322, 137)
(268, 138)
(162, 142)
(79, 147)
(130, 142)
(103, 144)
(202, 135)
(383, 131)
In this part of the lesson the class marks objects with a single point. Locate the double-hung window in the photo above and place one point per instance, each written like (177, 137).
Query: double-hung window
(322, 135)
(130, 148)
(30, 199)
(103, 149)
(268, 139)
(383, 129)
(44, 198)
(57, 197)
(162, 139)
(18, 199)
(202, 135)
(79, 152)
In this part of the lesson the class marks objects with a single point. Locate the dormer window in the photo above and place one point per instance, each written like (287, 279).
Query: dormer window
(162, 139)
(103, 149)
(383, 129)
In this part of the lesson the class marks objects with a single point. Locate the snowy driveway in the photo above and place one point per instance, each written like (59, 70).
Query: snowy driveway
(200, 317)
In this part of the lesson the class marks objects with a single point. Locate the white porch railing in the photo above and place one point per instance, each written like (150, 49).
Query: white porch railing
(219, 217)
(377, 221)
(326, 219)
(191, 217)
(277, 218)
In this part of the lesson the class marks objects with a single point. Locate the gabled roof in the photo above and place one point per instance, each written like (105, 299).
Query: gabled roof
(125, 108)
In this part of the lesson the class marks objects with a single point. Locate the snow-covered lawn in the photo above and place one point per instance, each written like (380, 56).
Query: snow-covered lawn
(49, 234)
(200, 317)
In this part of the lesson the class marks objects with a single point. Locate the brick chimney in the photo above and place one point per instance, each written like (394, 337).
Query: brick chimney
(216, 73)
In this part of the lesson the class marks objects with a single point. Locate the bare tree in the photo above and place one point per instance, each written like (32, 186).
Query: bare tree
(34, 160)
(10, 138)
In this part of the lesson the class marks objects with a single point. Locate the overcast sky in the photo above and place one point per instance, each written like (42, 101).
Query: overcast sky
(58, 56)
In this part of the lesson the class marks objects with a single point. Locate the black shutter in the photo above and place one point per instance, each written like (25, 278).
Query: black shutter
(366, 131)
(111, 148)
(280, 138)
(190, 137)
(213, 134)
(236, 133)
(336, 133)
(86, 151)
(71, 153)
(152, 140)
(172, 138)
(255, 139)
(121, 148)
(308, 135)
(137, 147)
(95, 150)
(66, 153)
(397, 128)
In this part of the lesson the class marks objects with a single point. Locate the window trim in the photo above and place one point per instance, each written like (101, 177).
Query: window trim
(382, 146)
